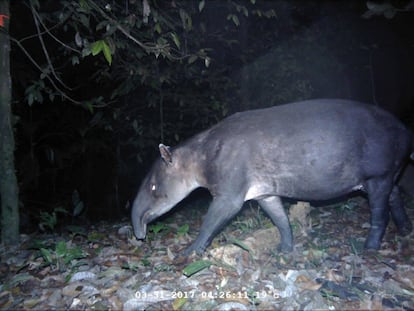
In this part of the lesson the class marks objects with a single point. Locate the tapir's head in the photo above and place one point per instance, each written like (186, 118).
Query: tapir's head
(170, 180)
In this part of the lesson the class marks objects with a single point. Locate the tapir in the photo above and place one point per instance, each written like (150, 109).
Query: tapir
(310, 150)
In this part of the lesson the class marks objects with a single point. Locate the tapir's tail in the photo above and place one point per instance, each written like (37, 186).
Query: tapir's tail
(412, 148)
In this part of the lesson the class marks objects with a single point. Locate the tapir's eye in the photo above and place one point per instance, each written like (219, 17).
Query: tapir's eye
(155, 191)
(153, 187)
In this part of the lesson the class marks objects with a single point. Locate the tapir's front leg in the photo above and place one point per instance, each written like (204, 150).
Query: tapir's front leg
(274, 208)
(221, 210)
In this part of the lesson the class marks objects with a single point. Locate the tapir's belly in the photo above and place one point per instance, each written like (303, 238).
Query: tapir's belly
(260, 190)
(307, 185)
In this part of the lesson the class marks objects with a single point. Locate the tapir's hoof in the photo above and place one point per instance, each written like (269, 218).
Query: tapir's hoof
(285, 248)
(187, 252)
(199, 250)
(374, 245)
(406, 229)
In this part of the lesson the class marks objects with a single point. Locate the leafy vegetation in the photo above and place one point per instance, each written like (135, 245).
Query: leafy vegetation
(49, 220)
(196, 266)
(98, 85)
(182, 230)
(62, 256)
(126, 76)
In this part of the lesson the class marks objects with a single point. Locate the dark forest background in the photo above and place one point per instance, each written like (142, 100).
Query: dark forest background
(97, 85)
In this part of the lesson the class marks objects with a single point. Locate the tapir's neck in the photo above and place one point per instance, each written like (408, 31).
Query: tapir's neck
(193, 165)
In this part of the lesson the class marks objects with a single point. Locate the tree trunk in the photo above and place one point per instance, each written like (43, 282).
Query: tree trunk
(8, 181)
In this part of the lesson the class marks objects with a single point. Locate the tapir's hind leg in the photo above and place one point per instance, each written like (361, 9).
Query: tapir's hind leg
(398, 213)
(221, 210)
(274, 208)
(379, 190)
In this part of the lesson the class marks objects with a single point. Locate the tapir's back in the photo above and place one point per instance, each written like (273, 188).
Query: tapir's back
(315, 140)
(313, 115)
(304, 122)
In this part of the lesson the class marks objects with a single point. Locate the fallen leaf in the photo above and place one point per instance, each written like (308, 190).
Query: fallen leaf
(310, 285)
(406, 278)
(334, 276)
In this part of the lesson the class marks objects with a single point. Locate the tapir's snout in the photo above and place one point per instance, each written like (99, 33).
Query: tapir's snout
(138, 222)
(140, 231)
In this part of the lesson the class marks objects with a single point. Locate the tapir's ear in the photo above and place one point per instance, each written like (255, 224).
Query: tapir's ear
(165, 153)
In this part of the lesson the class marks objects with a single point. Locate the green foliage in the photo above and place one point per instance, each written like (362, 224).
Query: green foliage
(34, 92)
(77, 231)
(172, 33)
(196, 266)
(160, 66)
(133, 266)
(234, 19)
(157, 227)
(18, 279)
(62, 256)
(163, 267)
(256, 219)
(240, 244)
(146, 71)
(95, 236)
(101, 46)
(182, 230)
(145, 262)
(48, 220)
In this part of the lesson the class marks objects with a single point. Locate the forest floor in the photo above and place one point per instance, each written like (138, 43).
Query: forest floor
(105, 268)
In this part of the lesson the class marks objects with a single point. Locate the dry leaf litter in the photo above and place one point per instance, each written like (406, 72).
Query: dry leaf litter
(106, 268)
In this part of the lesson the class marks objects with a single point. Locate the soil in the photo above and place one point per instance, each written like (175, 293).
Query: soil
(105, 268)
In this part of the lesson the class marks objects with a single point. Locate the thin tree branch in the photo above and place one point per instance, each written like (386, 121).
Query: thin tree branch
(52, 35)
(42, 43)
(154, 48)
(47, 76)
(48, 30)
